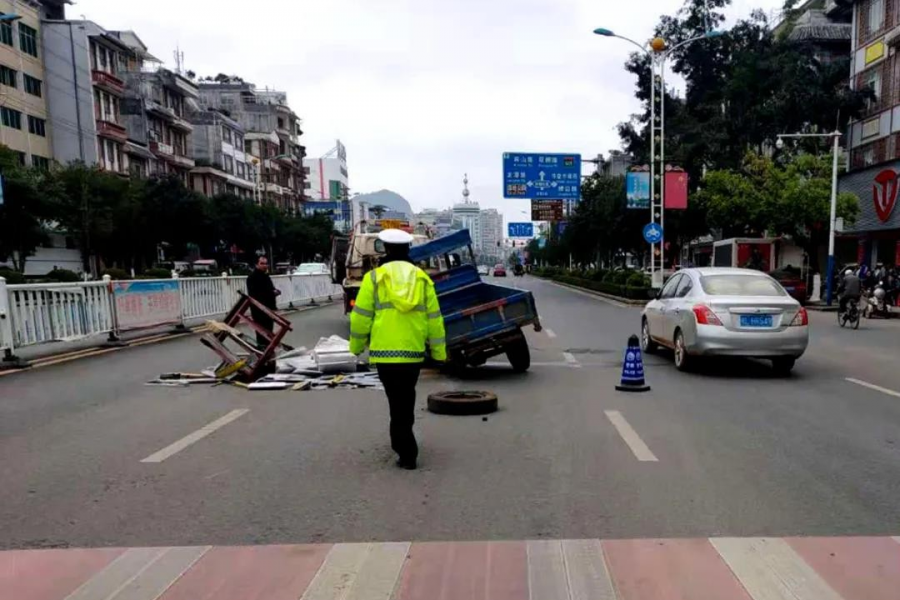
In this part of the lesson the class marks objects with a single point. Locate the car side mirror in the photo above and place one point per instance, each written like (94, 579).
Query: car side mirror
(654, 294)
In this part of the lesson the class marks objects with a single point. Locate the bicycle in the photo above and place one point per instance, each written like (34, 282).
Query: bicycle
(851, 315)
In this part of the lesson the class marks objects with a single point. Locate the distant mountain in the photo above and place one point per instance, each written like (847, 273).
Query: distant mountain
(387, 198)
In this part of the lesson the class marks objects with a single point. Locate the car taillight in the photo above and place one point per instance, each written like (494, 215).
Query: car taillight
(705, 315)
(801, 319)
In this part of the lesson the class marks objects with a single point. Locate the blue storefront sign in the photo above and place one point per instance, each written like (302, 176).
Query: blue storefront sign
(520, 230)
(337, 211)
(536, 176)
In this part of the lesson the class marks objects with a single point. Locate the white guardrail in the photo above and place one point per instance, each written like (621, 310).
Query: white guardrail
(59, 312)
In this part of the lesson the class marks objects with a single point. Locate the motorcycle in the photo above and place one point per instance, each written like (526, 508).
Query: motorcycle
(876, 303)
(518, 270)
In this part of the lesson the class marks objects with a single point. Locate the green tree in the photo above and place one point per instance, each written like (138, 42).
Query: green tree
(26, 212)
(793, 198)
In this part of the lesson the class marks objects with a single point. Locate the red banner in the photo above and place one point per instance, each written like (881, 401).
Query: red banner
(676, 190)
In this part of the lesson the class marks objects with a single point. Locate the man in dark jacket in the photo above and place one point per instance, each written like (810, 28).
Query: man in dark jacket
(261, 289)
(850, 287)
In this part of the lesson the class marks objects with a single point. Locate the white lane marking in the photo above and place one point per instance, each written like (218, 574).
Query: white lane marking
(630, 436)
(571, 359)
(872, 386)
(192, 438)
(550, 333)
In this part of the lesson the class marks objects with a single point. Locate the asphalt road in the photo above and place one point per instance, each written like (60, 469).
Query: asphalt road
(729, 450)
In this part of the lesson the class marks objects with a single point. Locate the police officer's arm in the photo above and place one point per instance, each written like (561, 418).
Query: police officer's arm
(437, 339)
(362, 316)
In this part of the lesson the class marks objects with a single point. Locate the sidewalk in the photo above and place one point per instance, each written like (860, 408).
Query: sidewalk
(850, 568)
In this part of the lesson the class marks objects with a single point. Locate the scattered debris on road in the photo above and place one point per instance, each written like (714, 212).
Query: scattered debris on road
(329, 365)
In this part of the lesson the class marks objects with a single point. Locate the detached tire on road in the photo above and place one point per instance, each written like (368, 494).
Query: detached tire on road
(462, 403)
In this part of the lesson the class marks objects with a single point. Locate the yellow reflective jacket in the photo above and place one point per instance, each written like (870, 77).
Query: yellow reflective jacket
(396, 313)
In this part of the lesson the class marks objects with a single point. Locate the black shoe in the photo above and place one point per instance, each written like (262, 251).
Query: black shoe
(409, 465)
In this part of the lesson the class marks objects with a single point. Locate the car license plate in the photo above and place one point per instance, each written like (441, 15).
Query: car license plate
(756, 320)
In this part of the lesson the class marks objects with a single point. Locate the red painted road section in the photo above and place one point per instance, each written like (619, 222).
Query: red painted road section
(49, 574)
(856, 568)
(671, 570)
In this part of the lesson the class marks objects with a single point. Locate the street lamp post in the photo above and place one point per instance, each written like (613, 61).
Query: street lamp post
(836, 137)
(658, 52)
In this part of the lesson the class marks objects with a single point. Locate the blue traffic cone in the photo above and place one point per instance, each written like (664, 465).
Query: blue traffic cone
(633, 368)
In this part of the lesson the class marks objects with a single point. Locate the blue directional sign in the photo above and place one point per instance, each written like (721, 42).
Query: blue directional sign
(536, 176)
(653, 233)
(521, 230)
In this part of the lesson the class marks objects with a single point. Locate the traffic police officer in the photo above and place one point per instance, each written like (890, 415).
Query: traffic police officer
(396, 314)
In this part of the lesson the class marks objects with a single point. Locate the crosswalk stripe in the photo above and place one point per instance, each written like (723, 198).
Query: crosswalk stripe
(547, 571)
(140, 574)
(338, 573)
(586, 569)
(380, 572)
(769, 569)
(896, 538)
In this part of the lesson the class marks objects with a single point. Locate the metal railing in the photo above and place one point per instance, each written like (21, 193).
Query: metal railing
(33, 314)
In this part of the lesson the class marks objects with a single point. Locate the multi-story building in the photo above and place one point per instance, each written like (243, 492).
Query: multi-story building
(156, 109)
(327, 177)
(222, 165)
(873, 140)
(491, 232)
(23, 105)
(85, 104)
(272, 132)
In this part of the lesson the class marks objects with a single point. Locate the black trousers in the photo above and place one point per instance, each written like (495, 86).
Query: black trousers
(264, 321)
(399, 381)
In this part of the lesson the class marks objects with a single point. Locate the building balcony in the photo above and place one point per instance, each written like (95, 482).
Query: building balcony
(182, 125)
(108, 82)
(111, 130)
(164, 112)
(161, 149)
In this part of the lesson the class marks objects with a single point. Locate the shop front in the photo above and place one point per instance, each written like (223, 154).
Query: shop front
(875, 236)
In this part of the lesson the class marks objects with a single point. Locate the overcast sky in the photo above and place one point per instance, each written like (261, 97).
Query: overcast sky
(420, 91)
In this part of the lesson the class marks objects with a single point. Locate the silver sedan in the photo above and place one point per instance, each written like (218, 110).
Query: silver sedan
(725, 312)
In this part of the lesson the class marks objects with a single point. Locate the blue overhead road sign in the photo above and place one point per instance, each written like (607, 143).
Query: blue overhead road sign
(537, 176)
(653, 233)
(520, 230)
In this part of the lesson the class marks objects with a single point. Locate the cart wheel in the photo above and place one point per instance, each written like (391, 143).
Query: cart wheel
(462, 403)
(518, 354)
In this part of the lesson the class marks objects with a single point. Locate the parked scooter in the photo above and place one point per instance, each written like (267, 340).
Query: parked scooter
(876, 303)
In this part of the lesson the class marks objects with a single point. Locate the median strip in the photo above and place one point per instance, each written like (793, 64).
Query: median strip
(630, 436)
(171, 449)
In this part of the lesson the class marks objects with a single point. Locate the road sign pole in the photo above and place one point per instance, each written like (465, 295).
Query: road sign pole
(662, 163)
(652, 162)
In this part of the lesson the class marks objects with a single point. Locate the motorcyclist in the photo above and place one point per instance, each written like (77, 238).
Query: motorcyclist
(849, 288)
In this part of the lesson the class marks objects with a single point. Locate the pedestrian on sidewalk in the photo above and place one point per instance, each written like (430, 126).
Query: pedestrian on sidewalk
(261, 289)
(397, 314)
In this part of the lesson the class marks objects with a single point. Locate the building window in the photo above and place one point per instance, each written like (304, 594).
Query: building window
(6, 32)
(242, 170)
(872, 80)
(9, 77)
(229, 164)
(876, 16)
(37, 126)
(32, 85)
(238, 141)
(22, 158)
(10, 118)
(280, 123)
(40, 162)
(28, 42)
(226, 135)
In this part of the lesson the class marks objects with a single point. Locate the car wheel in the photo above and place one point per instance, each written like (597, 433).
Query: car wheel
(682, 359)
(783, 365)
(648, 346)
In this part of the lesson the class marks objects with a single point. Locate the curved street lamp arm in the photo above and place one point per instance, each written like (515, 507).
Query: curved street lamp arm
(639, 46)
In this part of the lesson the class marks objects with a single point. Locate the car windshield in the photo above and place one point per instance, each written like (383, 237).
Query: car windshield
(740, 285)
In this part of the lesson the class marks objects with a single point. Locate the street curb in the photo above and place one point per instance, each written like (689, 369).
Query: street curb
(104, 348)
(619, 299)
